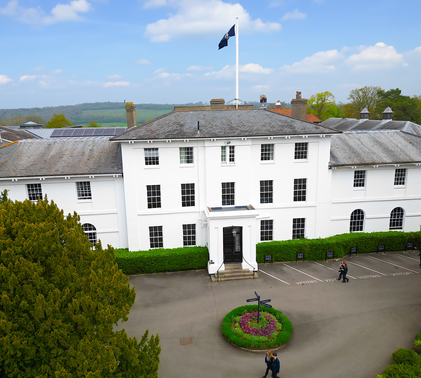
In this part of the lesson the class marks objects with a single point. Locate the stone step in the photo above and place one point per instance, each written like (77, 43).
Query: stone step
(240, 274)
(229, 278)
(233, 266)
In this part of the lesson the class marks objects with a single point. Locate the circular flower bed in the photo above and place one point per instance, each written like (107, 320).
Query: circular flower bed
(240, 328)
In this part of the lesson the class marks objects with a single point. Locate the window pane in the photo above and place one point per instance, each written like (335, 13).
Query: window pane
(156, 239)
(266, 191)
(186, 155)
(228, 193)
(298, 228)
(154, 196)
(356, 223)
(189, 234)
(90, 232)
(151, 156)
(300, 189)
(359, 179)
(400, 175)
(83, 190)
(187, 195)
(266, 152)
(34, 191)
(301, 151)
(266, 230)
(396, 219)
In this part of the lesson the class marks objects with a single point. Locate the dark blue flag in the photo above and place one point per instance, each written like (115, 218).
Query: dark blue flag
(226, 37)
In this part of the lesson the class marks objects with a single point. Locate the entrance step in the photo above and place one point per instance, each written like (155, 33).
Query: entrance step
(233, 272)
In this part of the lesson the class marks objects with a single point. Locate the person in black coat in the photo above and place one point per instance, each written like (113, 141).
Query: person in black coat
(341, 270)
(268, 360)
(276, 366)
(344, 273)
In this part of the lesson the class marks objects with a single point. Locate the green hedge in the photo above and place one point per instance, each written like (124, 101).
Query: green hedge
(340, 245)
(231, 336)
(161, 260)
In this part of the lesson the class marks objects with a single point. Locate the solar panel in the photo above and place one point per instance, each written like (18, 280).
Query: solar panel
(67, 133)
(56, 133)
(78, 133)
(89, 132)
(99, 132)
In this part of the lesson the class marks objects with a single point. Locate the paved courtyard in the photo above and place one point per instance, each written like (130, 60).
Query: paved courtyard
(347, 329)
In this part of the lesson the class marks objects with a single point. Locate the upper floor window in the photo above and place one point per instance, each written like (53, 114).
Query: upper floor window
(154, 196)
(266, 191)
(151, 156)
(156, 237)
(227, 154)
(90, 232)
(356, 222)
(187, 195)
(400, 176)
(359, 179)
(228, 193)
(83, 190)
(266, 152)
(301, 151)
(396, 219)
(266, 229)
(298, 228)
(300, 189)
(34, 191)
(186, 155)
(189, 234)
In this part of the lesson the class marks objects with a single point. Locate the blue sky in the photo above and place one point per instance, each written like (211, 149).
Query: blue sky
(61, 52)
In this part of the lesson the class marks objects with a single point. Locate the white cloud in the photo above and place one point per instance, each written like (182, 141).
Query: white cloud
(114, 77)
(31, 77)
(320, 62)
(143, 62)
(275, 4)
(374, 57)
(155, 4)
(117, 84)
(175, 76)
(295, 15)
(201, 17)
(61, 12)
(58, 71)
(198, 68)
(259, 87)
(4, 79)
(229, 71)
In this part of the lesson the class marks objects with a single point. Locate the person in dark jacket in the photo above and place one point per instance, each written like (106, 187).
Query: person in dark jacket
(268, 360)
(341, 270)
(344, 273)
(276, 366)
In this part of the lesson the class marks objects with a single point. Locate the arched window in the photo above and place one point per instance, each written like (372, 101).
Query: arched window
(396, 219)
(90, 232)
(357, 221)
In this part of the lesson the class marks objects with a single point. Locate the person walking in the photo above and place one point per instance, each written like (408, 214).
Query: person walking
(268, 360)
(420, 257)
(344, 273)
(276, 365)
(341, 270)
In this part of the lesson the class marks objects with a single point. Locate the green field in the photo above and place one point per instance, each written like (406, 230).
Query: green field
(141, 114)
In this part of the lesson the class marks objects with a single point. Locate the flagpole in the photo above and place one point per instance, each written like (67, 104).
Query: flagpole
(236, 63)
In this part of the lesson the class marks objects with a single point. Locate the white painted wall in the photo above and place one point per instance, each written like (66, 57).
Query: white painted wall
(106, 209)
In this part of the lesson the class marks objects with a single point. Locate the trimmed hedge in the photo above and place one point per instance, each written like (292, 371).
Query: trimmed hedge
(231, 336)
(161, 260)
(340, 245)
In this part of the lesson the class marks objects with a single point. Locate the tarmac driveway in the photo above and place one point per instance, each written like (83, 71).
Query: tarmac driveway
(349, 329)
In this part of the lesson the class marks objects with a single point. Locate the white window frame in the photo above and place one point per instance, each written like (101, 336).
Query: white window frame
(156, 237)
(153, 195)
(228, 193)
(188, 195)
(267, 152)
(357, 221)
(359, 178)
(90, 231)
(298, 228)
(151, 157)
(400, 177)
(189, 235)
(301, 151)
(186, 155)
(34, 192)
(266, 230)
(84, 191)
(227, 154)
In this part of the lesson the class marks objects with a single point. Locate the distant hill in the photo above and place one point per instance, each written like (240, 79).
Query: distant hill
(104, 113)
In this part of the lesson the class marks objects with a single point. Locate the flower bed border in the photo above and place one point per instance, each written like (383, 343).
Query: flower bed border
(232, 338)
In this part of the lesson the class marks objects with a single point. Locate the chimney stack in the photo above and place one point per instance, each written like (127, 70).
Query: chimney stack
(263, 102)
(278, 105)
(217, 104)
(299, 107)
(131, 114)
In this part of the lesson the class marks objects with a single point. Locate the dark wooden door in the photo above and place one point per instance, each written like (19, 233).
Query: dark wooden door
(233, 244)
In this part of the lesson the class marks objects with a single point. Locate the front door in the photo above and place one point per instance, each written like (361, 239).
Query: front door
(233, 244)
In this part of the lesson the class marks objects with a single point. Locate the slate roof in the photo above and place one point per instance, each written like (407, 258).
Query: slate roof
(11, 134)
(46, 157)
(372, 148)
(288, 112)
(352, 124)
(221, 124)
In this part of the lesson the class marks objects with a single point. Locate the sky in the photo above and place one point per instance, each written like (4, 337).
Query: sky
(61, 52)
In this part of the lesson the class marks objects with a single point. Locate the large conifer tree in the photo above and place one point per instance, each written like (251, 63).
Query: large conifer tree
(59, 300)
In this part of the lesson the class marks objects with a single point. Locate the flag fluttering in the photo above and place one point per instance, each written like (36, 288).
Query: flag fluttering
(226, 37)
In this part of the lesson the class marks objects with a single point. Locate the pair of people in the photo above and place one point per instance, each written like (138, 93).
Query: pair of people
(343, 270)
(272, 363)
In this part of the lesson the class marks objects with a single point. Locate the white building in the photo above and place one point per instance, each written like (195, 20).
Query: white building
(226, 179)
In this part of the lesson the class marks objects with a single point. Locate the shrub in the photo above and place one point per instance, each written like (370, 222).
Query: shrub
(256, 342)
(161, 260)
(340, 245)
(401, 371)
(408, 356)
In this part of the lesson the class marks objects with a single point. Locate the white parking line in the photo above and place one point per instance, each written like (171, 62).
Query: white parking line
(276, 278)
(328, 267)
(411, 258)
(393, 264)
(303, 272)
(361, 266)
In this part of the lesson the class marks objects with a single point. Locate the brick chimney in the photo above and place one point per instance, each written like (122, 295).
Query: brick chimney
(217, 104)
(263, 102)
(131, 114)
(278, 104)
(299, 107)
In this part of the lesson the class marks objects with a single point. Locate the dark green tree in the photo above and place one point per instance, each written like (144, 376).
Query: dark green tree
(360, 98)
(60, 298)
(404, 108)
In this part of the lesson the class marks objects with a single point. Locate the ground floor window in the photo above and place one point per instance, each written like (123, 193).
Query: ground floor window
(298, 228)
(396, 219)
(356, 222)
(266, 229)
(90, 232)
(189, 235)
(156, 238)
